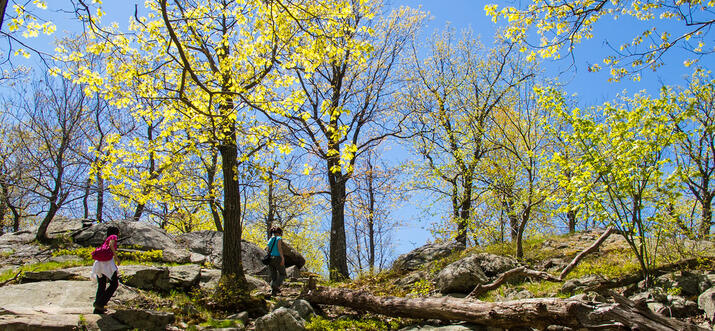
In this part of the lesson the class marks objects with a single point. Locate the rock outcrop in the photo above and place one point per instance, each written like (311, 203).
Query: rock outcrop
(465, 274)
(425, 254)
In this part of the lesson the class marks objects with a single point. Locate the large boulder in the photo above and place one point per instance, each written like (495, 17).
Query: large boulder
(136, 234)
(688, 283)
(145, 277)
(706, 302)
(425, 254)
(181, 277)
(184, 276)
(207, 246)
(144, 319)
(210, 278)
(493, 265)
(284, 319)
(461, 276)
(76, 273)
(55, 297)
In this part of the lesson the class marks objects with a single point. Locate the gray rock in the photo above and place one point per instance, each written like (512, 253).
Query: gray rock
(20, 237)
(210, 277)
(176, 255)
(680, 307)
(654, 294)
(284, 319)
(493, 265)
(687, 282)
(144, 319)
(145, 277)
(38, 276)
(184, 276)
(581, 284)
(304, 309)
(55, 322)
(706, 302)
(293, 272)
(137, 234)
(425, 254)
(461, 276)
(207, 246)
(55, 297)
(76, 273)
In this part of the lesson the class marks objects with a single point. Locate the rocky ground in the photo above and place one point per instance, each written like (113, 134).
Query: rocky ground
(163, 296)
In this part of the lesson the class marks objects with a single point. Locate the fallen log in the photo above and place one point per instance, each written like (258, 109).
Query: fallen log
(535, 313)
(507, 275)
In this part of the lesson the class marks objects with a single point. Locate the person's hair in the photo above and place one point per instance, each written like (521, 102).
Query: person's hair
(277, 230)
(112, 230)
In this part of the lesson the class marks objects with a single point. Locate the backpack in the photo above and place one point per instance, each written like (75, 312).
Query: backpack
(104, 253)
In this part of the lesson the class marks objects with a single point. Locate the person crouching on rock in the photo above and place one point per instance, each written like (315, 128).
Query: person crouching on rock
(276, 267)
(105, 268)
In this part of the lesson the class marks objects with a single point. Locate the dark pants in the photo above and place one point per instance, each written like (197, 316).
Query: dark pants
(277, 272)
(104, 294)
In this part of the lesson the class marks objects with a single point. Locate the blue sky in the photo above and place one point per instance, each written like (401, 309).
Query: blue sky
(590, 88)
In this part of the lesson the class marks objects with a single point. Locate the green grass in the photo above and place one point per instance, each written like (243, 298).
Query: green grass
(43, 266)
(319, 323)
(616, 263)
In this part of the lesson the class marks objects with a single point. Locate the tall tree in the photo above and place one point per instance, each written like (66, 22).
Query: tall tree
(620, 169)
(694, 120)
(50, 122)
(377, 192)
(212, 63)
(451, 97)
(518, 166)
(345, 110)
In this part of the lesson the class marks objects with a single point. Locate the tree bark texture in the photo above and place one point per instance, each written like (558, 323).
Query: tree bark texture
(231, 213)
(535, 313)
(338, 264)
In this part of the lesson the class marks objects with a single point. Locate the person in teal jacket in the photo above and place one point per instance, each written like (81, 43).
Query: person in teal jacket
(276, 267)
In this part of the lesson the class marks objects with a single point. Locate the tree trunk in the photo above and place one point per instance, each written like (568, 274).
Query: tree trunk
(571, 216)
(3, 211)
(520, 233)
(371, 220)
(15, 218)
(465, 211)
(338, 264)
(3, 6)
(211, 179)
(100, 198)
(533, 313)
(232, 265)
(270, 218)
(85, 199)
(138, 212)
(42, 229)
(55, 199)
(706, 217)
